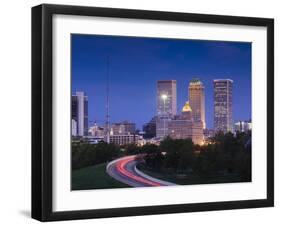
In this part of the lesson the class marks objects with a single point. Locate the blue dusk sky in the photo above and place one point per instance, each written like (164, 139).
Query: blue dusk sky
(136, 63)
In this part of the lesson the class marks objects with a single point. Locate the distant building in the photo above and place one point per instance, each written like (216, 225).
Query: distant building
(208, 133)
(124, 139)
(97, 131)
(183, 126)
(162, 126)
(130, 127)
(149, 129)
(223, 119)
(94, 139)
(166, 105)
(73, 127)
(196, 94)
(79, 113)
(123, 128)
(243, 126)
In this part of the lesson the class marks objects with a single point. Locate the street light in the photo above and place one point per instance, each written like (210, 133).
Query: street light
(164, 97)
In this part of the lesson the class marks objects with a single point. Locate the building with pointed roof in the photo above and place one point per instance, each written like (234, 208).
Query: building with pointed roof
(186, 107)
(183, 126)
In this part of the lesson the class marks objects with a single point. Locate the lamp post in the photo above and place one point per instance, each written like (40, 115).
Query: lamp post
(164, 97)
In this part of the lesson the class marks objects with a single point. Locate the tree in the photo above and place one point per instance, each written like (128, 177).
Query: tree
(86, 154)
(186, 155)
(153, 157)
(132, 149)
(178, 153)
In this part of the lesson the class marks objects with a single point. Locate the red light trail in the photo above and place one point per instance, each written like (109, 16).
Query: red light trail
(121, 167)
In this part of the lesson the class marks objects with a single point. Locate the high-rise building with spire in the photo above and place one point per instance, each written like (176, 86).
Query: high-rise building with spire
(196, 94)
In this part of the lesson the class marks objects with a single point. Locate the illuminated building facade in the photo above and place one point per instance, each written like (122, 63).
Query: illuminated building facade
(123, 128)
(196, 94)
(243, 126)
(166, 105)
(124, 139)
(97, 131)
(223, 119)
(183, 126)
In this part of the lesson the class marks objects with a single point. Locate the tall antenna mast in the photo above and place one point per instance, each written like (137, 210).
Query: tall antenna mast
(107, 102)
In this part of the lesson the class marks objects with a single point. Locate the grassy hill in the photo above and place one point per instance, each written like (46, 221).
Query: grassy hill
(94, 177)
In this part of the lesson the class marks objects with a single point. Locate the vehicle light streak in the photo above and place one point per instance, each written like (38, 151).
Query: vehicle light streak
(121, 167)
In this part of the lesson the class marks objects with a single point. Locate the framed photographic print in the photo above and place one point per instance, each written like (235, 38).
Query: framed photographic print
(145, 112)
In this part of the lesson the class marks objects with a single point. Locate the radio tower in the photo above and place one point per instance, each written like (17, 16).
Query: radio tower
(107, 102)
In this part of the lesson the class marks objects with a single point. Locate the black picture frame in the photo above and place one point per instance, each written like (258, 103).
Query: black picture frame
(42, 111)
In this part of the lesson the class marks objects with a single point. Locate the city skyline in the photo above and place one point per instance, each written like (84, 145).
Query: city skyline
(140, 95)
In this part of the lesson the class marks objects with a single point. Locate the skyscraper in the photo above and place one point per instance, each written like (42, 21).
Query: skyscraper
(79, 113)
(166, 105)
(196, 94)
(223, 119)
(167, 97)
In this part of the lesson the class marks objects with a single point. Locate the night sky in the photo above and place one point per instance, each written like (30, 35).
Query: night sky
(137, 63)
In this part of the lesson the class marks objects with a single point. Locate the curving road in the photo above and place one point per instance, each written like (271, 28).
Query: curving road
(124, 170)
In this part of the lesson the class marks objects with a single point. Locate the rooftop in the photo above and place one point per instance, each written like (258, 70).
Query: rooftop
(186, 107)
(223, 80)
(167, 81)
(195, 81)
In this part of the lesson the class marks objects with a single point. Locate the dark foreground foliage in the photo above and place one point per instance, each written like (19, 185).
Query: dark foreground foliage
(85, 154)
(225, 154)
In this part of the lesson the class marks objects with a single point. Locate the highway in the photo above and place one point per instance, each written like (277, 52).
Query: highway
(124, 170)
